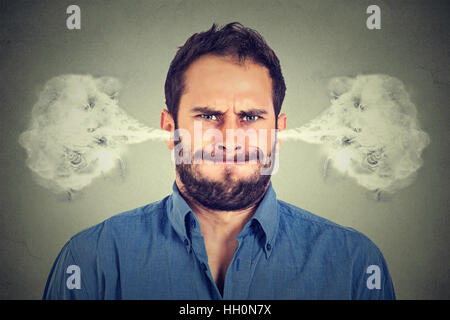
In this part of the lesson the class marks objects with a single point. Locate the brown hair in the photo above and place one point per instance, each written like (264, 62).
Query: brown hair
(232, 39)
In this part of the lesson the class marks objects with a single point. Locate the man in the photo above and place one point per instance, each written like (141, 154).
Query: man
(222, 233)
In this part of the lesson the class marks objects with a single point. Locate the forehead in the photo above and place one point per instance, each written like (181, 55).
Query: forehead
(222, 81)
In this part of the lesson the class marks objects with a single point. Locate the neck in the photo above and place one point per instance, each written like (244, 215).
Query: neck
(218, 224)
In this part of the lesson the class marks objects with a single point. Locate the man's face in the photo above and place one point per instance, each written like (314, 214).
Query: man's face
(227, 111)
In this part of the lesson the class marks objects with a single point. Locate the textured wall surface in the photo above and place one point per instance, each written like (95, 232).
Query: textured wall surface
(135, 41)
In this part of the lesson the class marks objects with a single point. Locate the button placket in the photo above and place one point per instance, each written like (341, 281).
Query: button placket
(237, 278)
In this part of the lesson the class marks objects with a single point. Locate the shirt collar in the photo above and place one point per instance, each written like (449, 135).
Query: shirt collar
(266, 215)
(177, 211)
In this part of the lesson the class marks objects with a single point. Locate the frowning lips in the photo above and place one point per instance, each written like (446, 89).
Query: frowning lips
(221, 156)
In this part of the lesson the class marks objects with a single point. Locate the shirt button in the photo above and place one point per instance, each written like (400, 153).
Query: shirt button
(268, 246)
(193, 223)
(186, 242)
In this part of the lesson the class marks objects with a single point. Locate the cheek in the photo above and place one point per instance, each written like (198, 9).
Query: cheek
(192, 138)
(266, 139)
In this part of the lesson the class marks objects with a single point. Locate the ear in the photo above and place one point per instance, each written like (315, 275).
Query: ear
(168, 124)
(281, 124)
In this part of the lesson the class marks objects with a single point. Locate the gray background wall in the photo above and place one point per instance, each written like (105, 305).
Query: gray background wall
(135, 41)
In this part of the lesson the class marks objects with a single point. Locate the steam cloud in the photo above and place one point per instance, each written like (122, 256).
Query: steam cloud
(370, 132)
(77, 132)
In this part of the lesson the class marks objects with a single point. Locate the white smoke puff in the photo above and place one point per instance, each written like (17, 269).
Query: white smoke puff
(370, 132)
(78, 131)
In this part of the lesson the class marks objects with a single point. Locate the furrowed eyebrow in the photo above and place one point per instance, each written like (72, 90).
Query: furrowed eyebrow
(205, 110)
(253, 112)
(211, 111)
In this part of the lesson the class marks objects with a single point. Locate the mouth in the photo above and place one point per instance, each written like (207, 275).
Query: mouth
(230, 161)
(237, 159)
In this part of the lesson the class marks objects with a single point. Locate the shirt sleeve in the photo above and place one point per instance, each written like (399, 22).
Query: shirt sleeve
(69, 279)
(371, 278)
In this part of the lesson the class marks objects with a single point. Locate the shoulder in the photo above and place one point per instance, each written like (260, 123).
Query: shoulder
(345, 249)
(301, 223)
(121, 225)
(92, 254)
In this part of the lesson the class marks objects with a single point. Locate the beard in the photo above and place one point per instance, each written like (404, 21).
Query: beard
(228, 194)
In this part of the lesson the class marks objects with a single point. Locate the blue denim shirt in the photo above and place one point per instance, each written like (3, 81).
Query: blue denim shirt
(158, 252)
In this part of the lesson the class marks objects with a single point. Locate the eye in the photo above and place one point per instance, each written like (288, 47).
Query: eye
(250, 118)
(208, 116)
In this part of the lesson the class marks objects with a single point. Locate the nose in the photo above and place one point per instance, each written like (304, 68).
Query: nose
(231, 151)
(224, 148)
(230, 135)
